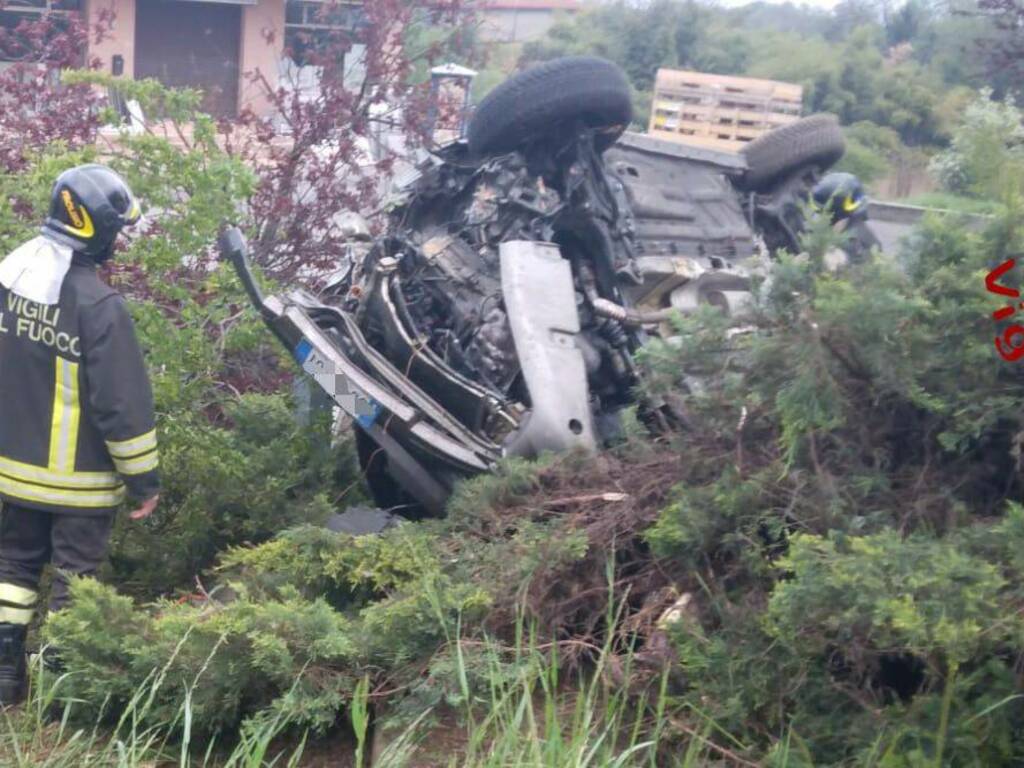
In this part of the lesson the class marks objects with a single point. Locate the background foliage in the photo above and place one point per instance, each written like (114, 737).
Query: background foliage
(898, 75)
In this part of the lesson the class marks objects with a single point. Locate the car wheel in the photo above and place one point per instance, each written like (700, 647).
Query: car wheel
(813, 141)
(549, 96)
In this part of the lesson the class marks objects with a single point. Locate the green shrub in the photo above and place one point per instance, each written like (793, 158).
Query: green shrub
(293, 628)
(232, 658)
(259, 473)
(986, 156)
(848, 469)
(871, 150)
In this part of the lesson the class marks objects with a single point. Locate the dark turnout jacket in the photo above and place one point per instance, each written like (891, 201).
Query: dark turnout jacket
(76, 409)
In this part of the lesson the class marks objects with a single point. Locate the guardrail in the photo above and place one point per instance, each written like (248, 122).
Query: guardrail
(891, 223)
(909, 215)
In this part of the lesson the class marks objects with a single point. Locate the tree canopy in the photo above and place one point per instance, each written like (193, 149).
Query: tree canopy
(895, 66)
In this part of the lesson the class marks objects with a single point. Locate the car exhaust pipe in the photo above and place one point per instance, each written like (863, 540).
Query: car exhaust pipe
(630, 316)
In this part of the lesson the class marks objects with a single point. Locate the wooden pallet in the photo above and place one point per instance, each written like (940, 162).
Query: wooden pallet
(720, 111)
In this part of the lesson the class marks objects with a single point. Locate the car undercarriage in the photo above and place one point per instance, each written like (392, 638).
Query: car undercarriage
(500, 311)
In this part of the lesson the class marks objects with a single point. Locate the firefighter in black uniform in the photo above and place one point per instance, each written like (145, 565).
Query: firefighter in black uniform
(842, 196)
(76, 409)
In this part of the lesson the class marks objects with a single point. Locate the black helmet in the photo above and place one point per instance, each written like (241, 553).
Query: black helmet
(89, 205)
(842, 194)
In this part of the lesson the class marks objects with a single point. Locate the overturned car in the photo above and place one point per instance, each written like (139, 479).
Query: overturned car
(522, 268)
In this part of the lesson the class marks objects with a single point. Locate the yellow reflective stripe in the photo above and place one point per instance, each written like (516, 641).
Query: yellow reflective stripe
(12, 593)
(138, 465)
(125, 449)
(19, 604)
(76, 415)
(82, 498)
(33, 474)
(64, 426)
(16, 615)
(58, 413)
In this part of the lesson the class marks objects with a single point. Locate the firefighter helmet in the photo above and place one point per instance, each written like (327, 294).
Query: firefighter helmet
(89, 205)
(842, 194)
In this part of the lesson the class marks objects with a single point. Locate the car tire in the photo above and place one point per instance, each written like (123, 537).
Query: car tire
(537, 101)
(816, 140)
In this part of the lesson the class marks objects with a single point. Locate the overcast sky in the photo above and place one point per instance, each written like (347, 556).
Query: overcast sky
(826, 4)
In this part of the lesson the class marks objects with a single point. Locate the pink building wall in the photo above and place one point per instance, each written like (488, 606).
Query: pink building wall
(120, 39)
(262, 42)
(262, 38)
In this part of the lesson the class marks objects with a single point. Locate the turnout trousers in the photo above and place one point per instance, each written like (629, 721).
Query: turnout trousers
(31, 538)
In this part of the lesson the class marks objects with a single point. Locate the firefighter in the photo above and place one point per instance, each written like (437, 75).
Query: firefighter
(76, 409)
(842, 196)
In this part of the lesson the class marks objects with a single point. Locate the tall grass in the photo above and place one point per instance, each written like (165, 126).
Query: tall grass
(39, 733)
(540, 716)
(521, 706)
(543, 716)
(532, 712)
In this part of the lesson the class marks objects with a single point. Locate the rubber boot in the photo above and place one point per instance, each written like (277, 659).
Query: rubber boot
(12, 664)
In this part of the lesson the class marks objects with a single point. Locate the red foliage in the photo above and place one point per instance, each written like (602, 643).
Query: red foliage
(37, 108)
(324, 151)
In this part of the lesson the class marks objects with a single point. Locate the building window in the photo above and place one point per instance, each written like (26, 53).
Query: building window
(312, 27)
(15, 12)
(310, 24)
(35, 8)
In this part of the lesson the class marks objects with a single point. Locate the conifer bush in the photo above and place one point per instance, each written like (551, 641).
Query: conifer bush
(836, 530)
